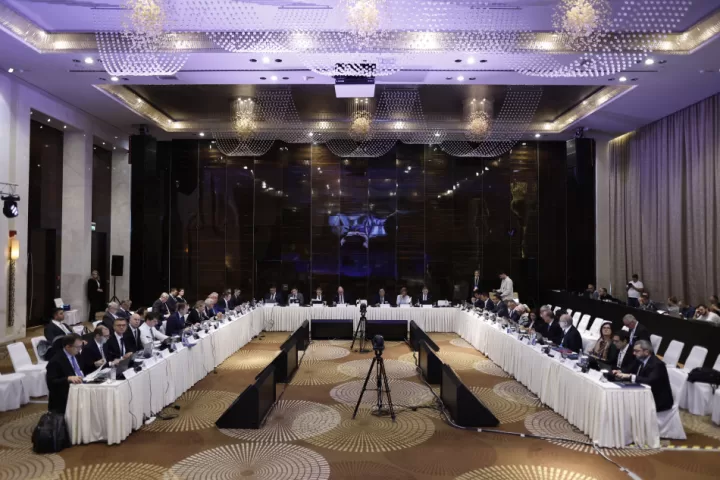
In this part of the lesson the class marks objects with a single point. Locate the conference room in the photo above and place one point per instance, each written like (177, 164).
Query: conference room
(340, 239)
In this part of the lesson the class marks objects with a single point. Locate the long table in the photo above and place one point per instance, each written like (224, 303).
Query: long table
(690, 332)
(111, 411)
(610, 415)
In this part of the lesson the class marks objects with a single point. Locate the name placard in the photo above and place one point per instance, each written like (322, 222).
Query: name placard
(165, 353)
(342, 305)
(405, 305)
(427, 306)
(149, 362)
(269, 305)
(318, 305)
(202, 334)
(129, 373)
(385, 305)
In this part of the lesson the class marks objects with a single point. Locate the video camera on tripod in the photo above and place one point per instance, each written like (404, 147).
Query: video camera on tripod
(381, 381)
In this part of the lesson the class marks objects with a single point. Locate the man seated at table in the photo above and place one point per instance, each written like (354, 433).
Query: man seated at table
(425, 297)
(56, 327)
(132, 333)
(380, 298)
(646, 303)
(273, 296)
(590, 292)
(477, 300)
(175, 323)
(148, 331)
(606, 297)
(487, 302)
(652, 371)
(704, 315)
(403, 298)
(513, 312)
(550, 330)
(61, 371)
(160, 305)
(197, 314)
(296, 297)
(92, 356)
(624, 361)
(341, 297)
(318, 297)
(110, 315)
(116, 347)
(124, 308)
(501, 309)
(571, 338)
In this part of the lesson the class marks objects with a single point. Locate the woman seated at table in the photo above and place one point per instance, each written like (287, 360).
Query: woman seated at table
(404, 298)
(604, 349)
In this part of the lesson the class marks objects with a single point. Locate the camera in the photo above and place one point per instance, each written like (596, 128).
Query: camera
(363, 308)
(378, 343)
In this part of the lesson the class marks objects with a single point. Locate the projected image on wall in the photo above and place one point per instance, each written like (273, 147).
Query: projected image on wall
(363, 226)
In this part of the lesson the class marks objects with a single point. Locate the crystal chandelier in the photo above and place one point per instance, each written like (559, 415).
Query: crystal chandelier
(244, 122)
(583, 21)
(147, 17)
(360, 119)
(363, 17)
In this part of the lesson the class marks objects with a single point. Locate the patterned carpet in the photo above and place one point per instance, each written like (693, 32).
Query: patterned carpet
(310, 434)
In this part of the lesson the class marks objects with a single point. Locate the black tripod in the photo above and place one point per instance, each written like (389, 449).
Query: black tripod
(360, 333)
(383, 386)
(114, 298)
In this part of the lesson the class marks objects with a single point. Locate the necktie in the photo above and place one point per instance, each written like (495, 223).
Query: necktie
(102, 351)
(137, 338)
(122, 347)
(424, 298)
(272, 297)
(341, 299)
(76, 367)
(640, 368)
(64, 328)
(318, 297)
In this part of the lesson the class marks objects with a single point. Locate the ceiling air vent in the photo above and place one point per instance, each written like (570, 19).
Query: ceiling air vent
(166, 77)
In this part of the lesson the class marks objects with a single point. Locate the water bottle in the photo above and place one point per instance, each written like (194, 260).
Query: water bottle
(113, 374)
(533, 338)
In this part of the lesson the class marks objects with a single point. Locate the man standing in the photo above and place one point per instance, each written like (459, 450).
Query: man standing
(160, 305)
(95, 295)
(62, 370)
(650, 371)
(475, 283)
(506, 287)
(635, 288)
(172, 298)
(236, 298)
(92, 356)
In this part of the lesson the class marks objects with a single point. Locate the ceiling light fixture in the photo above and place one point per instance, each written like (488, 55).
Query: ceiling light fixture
(11, 70)
(460, 78)
(537, 135)
(114, 79)
(202, 134)
(89, 60)
(623, 79)
(273, 78)
(649, 61)
(471, 60)
(266, 60)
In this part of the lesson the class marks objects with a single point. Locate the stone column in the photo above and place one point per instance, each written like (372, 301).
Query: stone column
(76, 220)
(120, 219)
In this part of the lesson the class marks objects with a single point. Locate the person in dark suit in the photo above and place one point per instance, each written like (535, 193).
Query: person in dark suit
(425, 297)
(55, 328)
(111, 313)
(475, 283)
(381, 298)
(650, 371)
(224, 305)
(124, 309)
(636, 331)
(197, 314)
(318, 297)
(341, 297)
(273, 296)
(160, 307)
(210, 310)
(500, 307)
(624, 360)
(571, 338)
(61, 371)
(92, 356)
(116, 346)
(95, 295)
(133, 341)
(236, 298)
(172, 300)
(485, 302)
(181, 295)
(552, 330)
(296, 297)
(175, 323)
(513, 312)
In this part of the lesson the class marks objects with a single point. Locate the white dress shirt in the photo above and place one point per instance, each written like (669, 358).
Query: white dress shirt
(632, 291)
(711, 317)
(506, 289)
(65, 329)
(341, 298)
(150, 334)
(621, 355)
(404, 300)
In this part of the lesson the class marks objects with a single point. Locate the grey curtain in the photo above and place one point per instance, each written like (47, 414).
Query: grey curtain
(664, 194)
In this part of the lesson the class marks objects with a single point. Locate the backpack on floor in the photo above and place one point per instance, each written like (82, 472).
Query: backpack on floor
(50, 434)
(704, 375)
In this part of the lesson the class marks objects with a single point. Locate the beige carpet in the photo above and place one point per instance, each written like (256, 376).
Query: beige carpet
(310, 433)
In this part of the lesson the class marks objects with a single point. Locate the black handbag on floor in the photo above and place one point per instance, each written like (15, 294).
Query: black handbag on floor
(704, 375)
(50, 434)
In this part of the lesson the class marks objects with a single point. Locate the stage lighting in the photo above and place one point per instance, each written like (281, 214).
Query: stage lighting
(10, 208)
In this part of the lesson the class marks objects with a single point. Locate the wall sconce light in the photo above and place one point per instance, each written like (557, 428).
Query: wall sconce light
(14, 251)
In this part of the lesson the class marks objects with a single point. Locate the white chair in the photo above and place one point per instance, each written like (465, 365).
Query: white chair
(34, 379)
(582, 326)
(716, 407)
(596, 326)
(678, 376)
(555, 310)
(576, 318)
(626, 329)
(655, 340)
(35, 342)
(96, 323)
(670, 424)
(78, 329)
(12, 392)
(673, 352)
(698, 396)
(569, 311)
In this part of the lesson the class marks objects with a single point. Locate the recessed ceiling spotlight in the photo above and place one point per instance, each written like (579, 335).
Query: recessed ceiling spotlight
(253, 60)
(48, 120)
(278, 60)
(114, 79)
(537, 135)
(584, 102)
(634, 79)
(662, 62)
(487, 169)
(89, 60)
(11, 70)
(611, 79)
(457, 60)
(623, 79)
(471, 60)
(448, 78)
(263, 78)
(437, 134)
(103, 143)
(286, 78)
(471, 78)
(649, 61)
(310, 135)
(524, 144)
(460, 78)
(202, 134)
(273, 78)
(266, 60)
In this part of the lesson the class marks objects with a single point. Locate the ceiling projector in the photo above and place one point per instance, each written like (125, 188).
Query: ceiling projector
(354, 86)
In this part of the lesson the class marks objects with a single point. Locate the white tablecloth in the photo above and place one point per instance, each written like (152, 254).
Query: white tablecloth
(610, 415)
(100, 412)
(72, 318)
